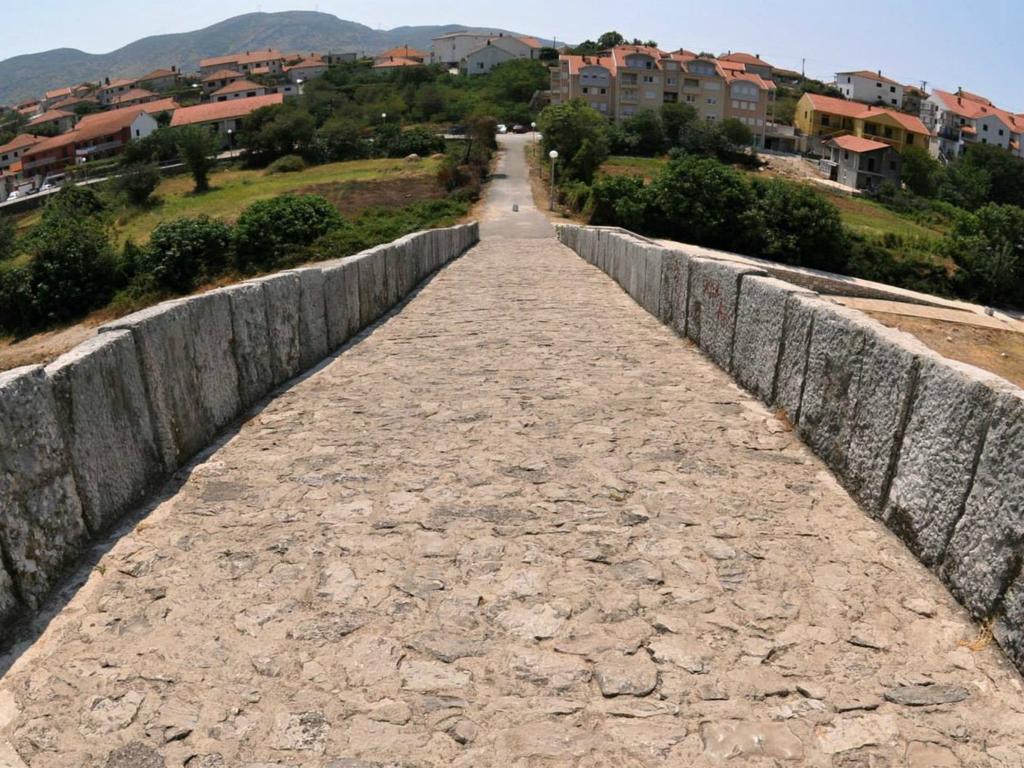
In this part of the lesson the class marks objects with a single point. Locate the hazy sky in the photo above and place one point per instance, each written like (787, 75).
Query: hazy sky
(949, 43)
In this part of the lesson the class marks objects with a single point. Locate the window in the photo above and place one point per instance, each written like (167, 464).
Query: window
(712, 100)
(892, 165)
(871, 165)
(846, 155)
(893, 100)
(888, 132)
(691, 99)
(892, 89)
(1000, 131)
(878, 85)
(910, 139)
(984, 127)
(670, 81)
(824, 119)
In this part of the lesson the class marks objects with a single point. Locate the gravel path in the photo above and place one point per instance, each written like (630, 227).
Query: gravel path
(517, 524)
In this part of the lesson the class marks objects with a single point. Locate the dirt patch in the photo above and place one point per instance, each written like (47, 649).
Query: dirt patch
(353, 197)
(45, 347)
(1001, 352)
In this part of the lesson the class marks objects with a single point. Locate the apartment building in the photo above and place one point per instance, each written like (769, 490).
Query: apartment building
(103, 134)
(960, 119)
(629, 79)
(870, 88)
(820, 118)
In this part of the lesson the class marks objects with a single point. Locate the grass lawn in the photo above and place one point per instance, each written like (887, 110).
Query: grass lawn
(870, 218)
(232, 190)
(623, 165)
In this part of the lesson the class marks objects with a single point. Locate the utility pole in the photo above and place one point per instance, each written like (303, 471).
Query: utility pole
(803, 67)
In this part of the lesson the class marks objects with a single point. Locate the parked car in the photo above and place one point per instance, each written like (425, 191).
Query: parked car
(18, 194)
(502, 128)
(457, 130)
(519, 128)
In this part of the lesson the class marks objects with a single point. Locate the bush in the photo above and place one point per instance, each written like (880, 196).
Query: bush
(269, 231)
(17, 302)
(74, 203)
(159, 147)
(137, 182)
(275, 131)
(287, 164)
(7, 237)
(339, 139)
(391, 141)
(619, 200)
(574, 195)
(920, 171)
(988, 247)
(186, 252)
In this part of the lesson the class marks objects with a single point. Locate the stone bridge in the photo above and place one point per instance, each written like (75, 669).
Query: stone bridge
(517, 521)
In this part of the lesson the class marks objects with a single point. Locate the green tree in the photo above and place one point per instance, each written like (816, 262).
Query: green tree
(737, 134)
(1005, 172)
(183, 253)
(269, 231)
(610, 40)
(920, 171)
(965, 185)
(137, 182)
(7, 237)
(793, 224)
(642, 134)
(566, 127)
(271, 132)
(339, 139)
(517, 80)
(198, 146)
(674, 119)
(988, 248)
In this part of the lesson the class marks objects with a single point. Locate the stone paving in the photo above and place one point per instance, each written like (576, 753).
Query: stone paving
(518, 523)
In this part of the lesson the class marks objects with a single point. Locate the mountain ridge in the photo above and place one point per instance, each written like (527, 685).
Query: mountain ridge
(32, 74)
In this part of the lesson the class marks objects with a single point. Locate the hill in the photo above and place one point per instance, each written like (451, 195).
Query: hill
(30, 75)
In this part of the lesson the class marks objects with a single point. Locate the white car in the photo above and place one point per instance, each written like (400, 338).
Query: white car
(16, 195)
(502, 128)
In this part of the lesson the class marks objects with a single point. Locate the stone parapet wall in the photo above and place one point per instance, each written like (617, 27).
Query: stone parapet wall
(89, 437)
(931, 447)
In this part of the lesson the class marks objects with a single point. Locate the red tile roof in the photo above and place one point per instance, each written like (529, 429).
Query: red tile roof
(238, 85)
(90, 127)
(74, 101)
(157, 106)
(402, 52)
(158, 74)
(858, 144)
(49, 116)
(117, 84)
(307, 64)
(58, 93)
(133, 95)
(222, 74)
(857, 110)
(576, 63)
(396, 62)
(973, 107)
(744, 58)
(248, 57)
(224, 110)
(533, 42)
(20, 142)
(869, 75)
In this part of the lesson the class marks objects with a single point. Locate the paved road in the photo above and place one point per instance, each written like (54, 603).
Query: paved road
(510, 188)
(518, 524)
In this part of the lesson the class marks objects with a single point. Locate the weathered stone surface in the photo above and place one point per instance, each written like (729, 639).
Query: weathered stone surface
(926, 695)
(984, 553)
(620, 675)
(636, 269)
(135, 754)
(713, 297)
(251, 340)
(393, 256)
(796, 339)
(744, 739)
(373, 285)
(343, 300)
(650, 295)
(313, 339)
(857, 389)
(950, 410)
(674, 290)
(102, 405)
(283, 295)
(1009, 626)
(189, 367)
(41, 526)
(760, 323)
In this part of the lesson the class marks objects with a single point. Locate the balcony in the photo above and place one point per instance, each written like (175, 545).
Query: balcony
(98, 148)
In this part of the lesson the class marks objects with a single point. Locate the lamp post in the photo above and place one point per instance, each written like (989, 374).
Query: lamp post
(231, 138)
(553, 154)
(383, 117)
(298, 85)
(533, 130)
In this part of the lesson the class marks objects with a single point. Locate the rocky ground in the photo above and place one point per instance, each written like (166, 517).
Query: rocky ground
(517, 524)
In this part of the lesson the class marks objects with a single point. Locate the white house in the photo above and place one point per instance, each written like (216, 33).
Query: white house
(240, 89)
(494, 51)
(870, 88)
(452, 49)
(306, 70)
(962, 118)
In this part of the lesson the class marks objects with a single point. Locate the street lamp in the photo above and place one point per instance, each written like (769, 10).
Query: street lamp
(383, 117)
(533, 130)
(553, 154)
(231, 138)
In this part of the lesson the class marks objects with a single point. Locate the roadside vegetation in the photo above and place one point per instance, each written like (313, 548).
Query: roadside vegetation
(955, 230)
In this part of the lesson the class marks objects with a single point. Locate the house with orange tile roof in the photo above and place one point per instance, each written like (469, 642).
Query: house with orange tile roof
(269, 61)
(111, 89)
(963, 118)
(11, 152)
(870, 88)
(391, 62)
(219, 78)
(820, 118)
(306, 70)
(861, 163)
(224, 117)
(53, 121)
(240, 89)
(752, 62)
(160, 79)
(96, 136)
(133, 97)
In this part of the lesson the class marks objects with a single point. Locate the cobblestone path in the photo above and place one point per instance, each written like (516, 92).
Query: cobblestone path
(517, 524)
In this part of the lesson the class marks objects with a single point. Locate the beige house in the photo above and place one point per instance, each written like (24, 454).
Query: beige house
(630, 79)
(250, 63)
(54, 121)
(497, 50)
(111, 89)
(306, 70)
(220, 78)
(160, 79)
(240, 89)
(224, 118)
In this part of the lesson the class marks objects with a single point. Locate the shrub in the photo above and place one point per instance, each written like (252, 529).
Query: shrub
(393, 142)
(339, 139)
(137, 182)
(574, 195)
(74, 203)
(186, 252)
(268, 231)
(988, 247)
(7, 237)
(920, 171)
(287, 164)
(272, 132)
(17, 302)
(619, 200)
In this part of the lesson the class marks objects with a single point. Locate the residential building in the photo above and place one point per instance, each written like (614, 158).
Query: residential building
(497, 50)
(95, 136)
(249, 63)
(160, 107)
(913, 97)
(53, 121)
(453, 49)
(57, 94)
(11, 152)
(786, 76)
(403, 52)
(390, 62)
(334, 59)
(870, 88)
(240, 89)
(962, 118)
(306, 70)
(110, 90)
(72, 103)
(820, 118)
(629, 79)
(224, 117)
(861, 163)
(29, 108)
(752, 63)
(160, 79)
(220, 78)
(133, 97)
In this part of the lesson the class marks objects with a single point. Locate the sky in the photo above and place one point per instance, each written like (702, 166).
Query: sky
(948, 43)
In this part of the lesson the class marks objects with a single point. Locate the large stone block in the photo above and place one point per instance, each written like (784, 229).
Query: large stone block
(760, 321)
(188, 363)
(313, 341)
(635, 269)
(41, 526)
(393, 254)
(674, 290)
(372, 286)
(252, 341)
(1009, 626)
(796, 340)
(342, 300)
(713, 298)
(987, 547)
(856, 393)
(950, 410)
(650, 294)
(283, 293)
(102, 404)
